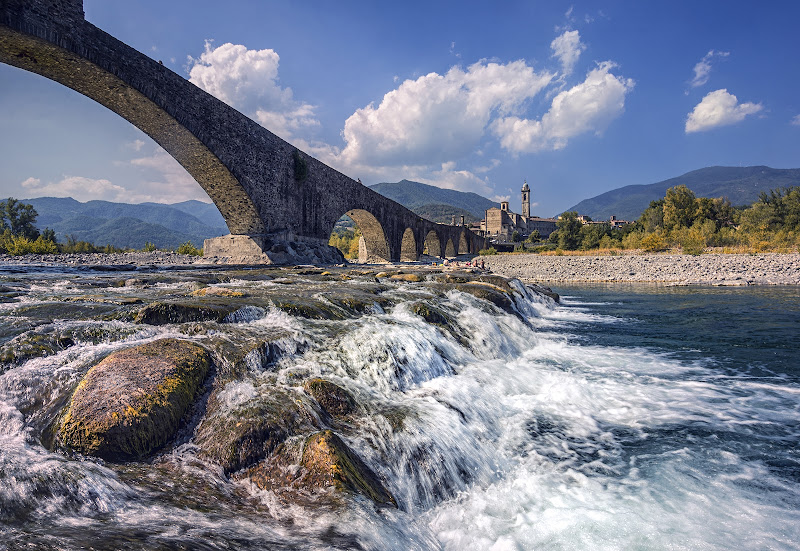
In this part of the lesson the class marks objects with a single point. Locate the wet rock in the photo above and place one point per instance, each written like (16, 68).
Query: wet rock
(410, 278)
(493, 294)
(46, 340)
(217, 292)
(305, 307)
(334, 399)
(330, 463)
(161, 313)
(324, 462)
(429, 313)
(132, 402)
(357, 301)
(242, 436)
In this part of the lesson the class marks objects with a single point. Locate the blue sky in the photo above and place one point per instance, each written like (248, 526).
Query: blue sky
(577, 98)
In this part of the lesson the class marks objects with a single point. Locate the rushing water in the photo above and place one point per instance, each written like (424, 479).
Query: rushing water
(627, 417)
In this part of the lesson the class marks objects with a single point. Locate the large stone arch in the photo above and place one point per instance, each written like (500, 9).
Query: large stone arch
(65, 67)
(463, 244)
(408, 246)
(375, 245)
(433, 244)
(450, 250)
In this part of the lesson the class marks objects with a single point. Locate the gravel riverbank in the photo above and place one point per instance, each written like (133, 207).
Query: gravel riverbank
(678, 269)
(154, 258)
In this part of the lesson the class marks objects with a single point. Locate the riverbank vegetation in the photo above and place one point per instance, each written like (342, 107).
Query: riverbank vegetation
(346, 240)
(692, 224)
(20, 236)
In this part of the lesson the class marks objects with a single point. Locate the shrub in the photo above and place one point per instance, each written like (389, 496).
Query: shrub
(653, 242)
(149, 247)
(188, 248)
(487, 252)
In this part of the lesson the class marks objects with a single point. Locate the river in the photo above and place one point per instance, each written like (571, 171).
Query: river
(625, 417)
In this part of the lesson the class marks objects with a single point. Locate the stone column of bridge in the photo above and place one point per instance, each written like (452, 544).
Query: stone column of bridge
(280, 204)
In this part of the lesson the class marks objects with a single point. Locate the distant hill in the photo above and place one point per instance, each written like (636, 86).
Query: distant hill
(741, 185)
(431, 199)
(443, 214)
(128, 225)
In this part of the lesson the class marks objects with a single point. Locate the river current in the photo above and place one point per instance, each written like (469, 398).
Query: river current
(625, 417)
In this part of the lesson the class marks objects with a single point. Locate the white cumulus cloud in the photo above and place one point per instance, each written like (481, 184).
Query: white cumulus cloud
(248, 80)
(796, 120)
(438, 118)
(77, 187)
(587, 107)
(567, 48)
(719, 108)
(702, 70)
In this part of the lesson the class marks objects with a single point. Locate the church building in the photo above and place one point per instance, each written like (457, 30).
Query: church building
(501, 223)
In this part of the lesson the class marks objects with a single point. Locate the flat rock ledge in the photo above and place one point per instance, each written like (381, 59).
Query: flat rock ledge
(132, 402)
(675, 269)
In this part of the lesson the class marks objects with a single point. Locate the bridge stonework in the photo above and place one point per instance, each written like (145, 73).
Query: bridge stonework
(279, 203)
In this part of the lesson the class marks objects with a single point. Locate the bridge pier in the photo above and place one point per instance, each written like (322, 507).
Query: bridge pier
(271, 249)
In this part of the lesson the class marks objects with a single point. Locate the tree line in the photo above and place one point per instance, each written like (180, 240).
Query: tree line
(21, 236)
(682, 220)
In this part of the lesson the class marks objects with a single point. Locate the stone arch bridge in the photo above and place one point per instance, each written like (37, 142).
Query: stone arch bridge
(280, 204)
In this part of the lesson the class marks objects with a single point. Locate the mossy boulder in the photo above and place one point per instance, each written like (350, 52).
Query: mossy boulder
(330, 463)
(245, 435)
(161, 313)
(217, 292)
(326, 463)
(132, 402)
(334, 399)
(410, 278)
(493, 294)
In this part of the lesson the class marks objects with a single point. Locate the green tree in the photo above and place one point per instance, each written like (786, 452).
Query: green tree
(534, 237)
(49, 235)
(19, 218)
(569, 231)
(516, 237)
(680, 208)
(652, 218)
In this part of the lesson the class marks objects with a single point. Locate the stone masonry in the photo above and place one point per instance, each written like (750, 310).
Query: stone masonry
(273, 196)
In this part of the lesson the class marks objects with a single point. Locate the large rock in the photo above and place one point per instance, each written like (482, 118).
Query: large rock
(334, 399)
(161, 313)
(246, 434)
(132, 402)
(329, 462)
(326, 463)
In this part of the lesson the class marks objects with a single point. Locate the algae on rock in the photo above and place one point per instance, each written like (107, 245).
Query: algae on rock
(132, 402)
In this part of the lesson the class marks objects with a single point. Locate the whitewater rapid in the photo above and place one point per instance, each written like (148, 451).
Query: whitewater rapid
(515, 431)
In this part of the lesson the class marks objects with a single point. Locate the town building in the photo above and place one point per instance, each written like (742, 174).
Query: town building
(500, 223)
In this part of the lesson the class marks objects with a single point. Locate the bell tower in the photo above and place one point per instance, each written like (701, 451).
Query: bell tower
(526, 199)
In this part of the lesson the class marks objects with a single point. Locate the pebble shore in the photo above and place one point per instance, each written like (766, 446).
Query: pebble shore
(675, 269)
(154, 258)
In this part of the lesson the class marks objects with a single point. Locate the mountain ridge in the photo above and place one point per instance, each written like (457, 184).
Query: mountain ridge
(129, 225)
(740, 185)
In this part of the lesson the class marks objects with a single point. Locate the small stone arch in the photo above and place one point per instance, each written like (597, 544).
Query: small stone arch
(450, 250)
(463, 244)
(373, 246)
(433, 246)
(408, 247)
